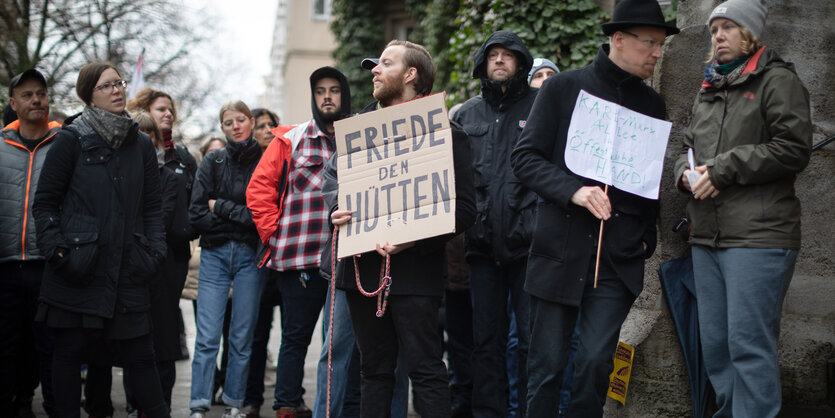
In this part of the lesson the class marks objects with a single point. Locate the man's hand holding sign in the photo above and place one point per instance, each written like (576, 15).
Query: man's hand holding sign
(615, 146)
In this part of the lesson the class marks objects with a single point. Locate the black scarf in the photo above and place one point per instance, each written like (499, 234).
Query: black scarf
(111, 127)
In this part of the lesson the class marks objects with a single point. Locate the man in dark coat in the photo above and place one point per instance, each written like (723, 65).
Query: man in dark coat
(497, 245)
(405, 71)
(561, 266)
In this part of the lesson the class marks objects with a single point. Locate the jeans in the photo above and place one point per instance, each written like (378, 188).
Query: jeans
(552, 325)
(490, 285)
(301, 301)
(406, 334)
(258, 361)
(512, 362)
(739, 294)
(345, 364)
(219, 267)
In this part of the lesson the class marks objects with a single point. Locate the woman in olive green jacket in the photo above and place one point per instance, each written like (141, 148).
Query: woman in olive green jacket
(750, 135)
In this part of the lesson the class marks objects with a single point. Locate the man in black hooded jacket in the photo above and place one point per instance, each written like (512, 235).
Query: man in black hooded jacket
(497, 245)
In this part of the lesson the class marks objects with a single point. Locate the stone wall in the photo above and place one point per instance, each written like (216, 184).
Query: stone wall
(803, 33)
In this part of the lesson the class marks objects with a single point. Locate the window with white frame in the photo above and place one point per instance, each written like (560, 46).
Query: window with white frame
(321, 10)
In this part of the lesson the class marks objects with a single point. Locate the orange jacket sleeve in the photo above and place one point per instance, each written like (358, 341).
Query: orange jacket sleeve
(268, 185)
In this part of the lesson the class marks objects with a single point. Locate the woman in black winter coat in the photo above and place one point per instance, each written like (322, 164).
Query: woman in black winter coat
(97, 211)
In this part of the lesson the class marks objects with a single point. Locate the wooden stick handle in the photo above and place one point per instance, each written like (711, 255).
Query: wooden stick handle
(599, 243)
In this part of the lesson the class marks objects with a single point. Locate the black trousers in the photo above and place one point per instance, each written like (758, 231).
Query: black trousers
(552, 324)
(458, 309)
(80, 345)
(410, 323)
(25, 345)
(491, 287)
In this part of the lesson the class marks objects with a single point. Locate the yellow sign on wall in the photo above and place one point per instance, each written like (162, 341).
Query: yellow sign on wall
(619, 379)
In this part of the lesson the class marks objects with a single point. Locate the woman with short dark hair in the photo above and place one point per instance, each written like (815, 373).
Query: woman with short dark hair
(99, 223)
(265, 121)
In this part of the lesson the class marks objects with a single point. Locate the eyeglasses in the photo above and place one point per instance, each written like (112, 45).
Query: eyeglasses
(648, 43)
(107, 86)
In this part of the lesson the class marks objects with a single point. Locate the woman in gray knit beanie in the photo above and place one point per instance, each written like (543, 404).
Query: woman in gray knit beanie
(750, 135)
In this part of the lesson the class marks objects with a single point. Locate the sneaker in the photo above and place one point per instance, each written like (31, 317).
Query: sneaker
(233, 413)
(197, 413)
(302, 411)
(251, 411)
(286, 412)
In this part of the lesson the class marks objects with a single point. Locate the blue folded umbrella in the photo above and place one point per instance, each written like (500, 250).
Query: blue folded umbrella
(680, 292)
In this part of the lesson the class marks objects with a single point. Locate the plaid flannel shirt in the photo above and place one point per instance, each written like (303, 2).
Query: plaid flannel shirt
(303, 227)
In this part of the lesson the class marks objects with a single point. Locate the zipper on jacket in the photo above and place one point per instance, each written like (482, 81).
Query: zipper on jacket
(26, 199)
(718, 144)
(26, 194)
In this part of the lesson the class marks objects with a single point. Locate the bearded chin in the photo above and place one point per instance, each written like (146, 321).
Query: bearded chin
(329, 117)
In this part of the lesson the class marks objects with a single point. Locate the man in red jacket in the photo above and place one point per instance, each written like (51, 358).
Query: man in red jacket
(285, 197)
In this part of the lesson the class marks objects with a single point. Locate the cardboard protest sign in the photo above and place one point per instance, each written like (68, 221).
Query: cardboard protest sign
(396, 175)
(619, 379)
(616, 146)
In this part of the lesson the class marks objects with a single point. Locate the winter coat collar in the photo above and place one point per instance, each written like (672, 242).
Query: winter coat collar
(241, 152)
(607, 70)
(759, 61)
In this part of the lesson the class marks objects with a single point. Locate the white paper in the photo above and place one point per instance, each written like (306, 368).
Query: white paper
(616, 146)
(693, 176)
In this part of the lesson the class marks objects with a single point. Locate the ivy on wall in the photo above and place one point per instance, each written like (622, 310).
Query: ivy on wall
(567, 32)
(359, 34)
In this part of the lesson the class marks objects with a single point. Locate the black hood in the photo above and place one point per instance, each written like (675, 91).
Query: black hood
(518, 85)
(345, 105)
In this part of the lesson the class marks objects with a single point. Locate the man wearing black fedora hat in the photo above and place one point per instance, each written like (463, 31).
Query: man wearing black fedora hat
(561, 264)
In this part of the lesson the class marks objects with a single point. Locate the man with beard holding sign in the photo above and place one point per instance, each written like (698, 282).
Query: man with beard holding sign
(405, 71)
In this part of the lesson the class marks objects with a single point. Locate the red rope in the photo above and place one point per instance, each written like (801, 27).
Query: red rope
(382, 294)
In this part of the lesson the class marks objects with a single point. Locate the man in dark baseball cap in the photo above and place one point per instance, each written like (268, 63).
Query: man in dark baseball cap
(369, 63)
(24, 142)
(30, 74)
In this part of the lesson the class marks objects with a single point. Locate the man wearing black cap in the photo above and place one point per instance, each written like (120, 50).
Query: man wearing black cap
(497, 245)
(23, 149)
(561, 265)
(285, 197)
(409, 325)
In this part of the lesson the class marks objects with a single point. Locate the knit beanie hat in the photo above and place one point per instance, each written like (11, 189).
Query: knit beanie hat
(540, 63)
(749, 14)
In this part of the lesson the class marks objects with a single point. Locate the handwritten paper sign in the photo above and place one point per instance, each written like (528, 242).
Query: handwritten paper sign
(396, 175)
(616, 146)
